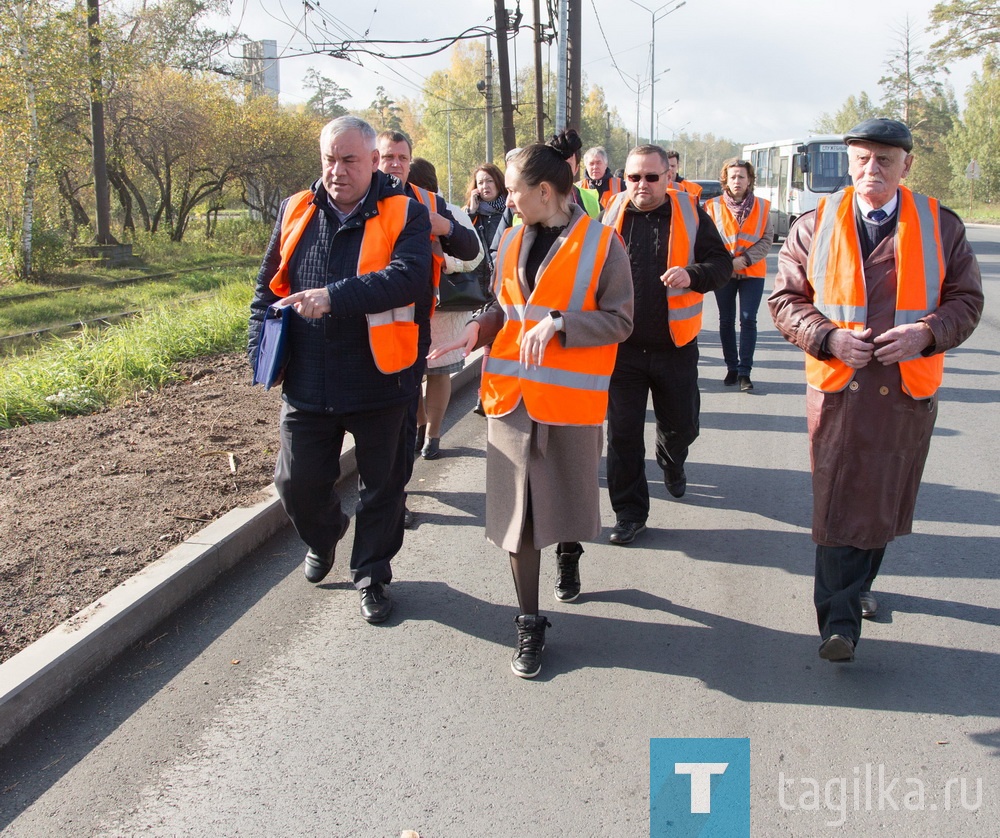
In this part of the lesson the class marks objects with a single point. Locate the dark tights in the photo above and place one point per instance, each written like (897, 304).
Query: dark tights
(526, 565)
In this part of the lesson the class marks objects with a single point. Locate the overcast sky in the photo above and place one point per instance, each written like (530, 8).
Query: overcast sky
(747, 71)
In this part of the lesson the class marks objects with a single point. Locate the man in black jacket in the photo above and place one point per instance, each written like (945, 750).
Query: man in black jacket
(677, 256)
(352, 258)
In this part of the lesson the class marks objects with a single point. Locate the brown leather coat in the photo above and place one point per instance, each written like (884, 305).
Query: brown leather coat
(869, 442)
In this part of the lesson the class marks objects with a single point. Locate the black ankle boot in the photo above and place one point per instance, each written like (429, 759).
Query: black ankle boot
(527, 660)
(568, 570)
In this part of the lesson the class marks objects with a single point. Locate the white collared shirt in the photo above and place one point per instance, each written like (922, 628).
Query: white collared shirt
(865, 207)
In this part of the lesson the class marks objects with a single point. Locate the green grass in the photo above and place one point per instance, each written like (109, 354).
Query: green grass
(93, 301)
(101, 367)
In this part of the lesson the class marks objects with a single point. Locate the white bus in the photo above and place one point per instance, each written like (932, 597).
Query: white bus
(794, 174)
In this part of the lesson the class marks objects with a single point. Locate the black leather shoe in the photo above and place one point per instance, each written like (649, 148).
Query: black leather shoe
(746, 385)
(432, 449)
(624, 532)
(676, 481)
(376, 605)
(730, 378)
(837, 649)
(409, 519)
(568, 571)
(479, 410)
(527, 660)
(869, 605)
(316, 567)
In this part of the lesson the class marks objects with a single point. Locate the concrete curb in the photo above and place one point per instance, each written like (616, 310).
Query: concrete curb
(50, 669)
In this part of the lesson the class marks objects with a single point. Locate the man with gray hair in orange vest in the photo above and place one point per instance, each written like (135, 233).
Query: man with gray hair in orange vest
(351, 256)
(677, 256)
(874, 286)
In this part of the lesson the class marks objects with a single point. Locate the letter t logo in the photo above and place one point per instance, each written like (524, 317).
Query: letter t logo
(701, 782)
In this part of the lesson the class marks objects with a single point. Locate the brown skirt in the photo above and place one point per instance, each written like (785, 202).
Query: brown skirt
(556, 466)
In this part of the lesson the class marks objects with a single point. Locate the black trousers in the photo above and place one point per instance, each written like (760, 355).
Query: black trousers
(306, 477)
(671, 375)
(842, 573)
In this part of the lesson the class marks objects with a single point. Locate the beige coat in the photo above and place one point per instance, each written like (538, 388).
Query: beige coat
(869, 442)
(556, 465)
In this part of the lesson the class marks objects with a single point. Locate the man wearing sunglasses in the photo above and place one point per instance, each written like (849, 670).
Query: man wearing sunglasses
(677, 256)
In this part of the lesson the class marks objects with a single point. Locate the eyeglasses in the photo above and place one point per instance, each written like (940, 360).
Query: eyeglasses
(649, 178)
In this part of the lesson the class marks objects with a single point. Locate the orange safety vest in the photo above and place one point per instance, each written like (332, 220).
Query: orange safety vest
(570, 387)
(615, 187)
(683, 304)
(835, 269)
(741, 237)
(430, 200)
(392, 335)
(688, 186)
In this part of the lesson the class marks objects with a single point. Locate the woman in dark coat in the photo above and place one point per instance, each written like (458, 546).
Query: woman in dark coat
(536, 445)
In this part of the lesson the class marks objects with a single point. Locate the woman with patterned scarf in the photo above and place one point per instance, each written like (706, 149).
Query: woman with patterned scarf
(744, 222)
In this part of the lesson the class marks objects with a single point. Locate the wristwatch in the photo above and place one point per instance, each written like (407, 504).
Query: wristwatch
(557, 319)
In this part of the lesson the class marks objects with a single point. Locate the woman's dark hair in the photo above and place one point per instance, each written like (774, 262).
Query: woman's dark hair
(423, 174)
(743, 164)
(491, 170)
(548, 162)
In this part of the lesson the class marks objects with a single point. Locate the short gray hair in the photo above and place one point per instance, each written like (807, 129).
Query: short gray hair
(596, 151)
(342, 124)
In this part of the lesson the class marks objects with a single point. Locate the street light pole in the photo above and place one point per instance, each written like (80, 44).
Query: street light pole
(655, 15)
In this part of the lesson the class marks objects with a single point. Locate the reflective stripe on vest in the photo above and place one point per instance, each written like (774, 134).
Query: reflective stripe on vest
(570, 387)
(741, 237)
(835, 269)
(392, 335)
(683, 304)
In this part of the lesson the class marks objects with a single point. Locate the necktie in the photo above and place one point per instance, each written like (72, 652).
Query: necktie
(878, 216)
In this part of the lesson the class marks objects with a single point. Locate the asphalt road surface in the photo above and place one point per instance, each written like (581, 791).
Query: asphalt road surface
(267, 707)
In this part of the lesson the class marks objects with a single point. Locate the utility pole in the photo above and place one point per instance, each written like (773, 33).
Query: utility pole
(99, 149)
(561, 85)
(503, 66)
(539, 109)
(575, 65)
(489, 102)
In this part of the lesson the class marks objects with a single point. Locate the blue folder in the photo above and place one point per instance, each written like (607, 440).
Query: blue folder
(272, 349)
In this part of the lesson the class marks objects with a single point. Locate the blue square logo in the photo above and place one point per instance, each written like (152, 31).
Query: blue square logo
(699, 788)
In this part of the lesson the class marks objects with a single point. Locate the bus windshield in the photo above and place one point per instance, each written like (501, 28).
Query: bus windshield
(827, 167)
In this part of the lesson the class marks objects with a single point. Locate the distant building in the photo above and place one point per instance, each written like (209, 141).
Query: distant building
(261, 58)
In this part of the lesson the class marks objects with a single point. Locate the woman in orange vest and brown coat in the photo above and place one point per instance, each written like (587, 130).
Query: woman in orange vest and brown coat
(563, 291)
(744, 222)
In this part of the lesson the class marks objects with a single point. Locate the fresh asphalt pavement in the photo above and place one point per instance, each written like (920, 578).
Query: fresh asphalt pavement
(267, 707)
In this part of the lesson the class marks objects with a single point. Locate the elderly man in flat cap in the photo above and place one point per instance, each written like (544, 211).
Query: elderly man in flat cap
(874, 286)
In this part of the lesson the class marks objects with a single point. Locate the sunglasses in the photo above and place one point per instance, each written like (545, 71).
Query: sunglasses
(650, 178)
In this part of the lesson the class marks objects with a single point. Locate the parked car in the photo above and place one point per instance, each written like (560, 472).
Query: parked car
(709, 189)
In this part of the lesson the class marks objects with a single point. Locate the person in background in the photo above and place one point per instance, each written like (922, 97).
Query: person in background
(597, 176)
(395, 154)
(564, 302)
(352, 256)
(874, 286)
(676, 181)
(677, 256)
(744, 222)
(486, 203)
(446, 326)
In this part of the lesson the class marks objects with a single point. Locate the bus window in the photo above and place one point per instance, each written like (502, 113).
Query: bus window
(827, 167)
(798, 180)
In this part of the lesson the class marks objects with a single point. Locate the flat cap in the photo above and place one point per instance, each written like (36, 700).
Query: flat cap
(884, 131)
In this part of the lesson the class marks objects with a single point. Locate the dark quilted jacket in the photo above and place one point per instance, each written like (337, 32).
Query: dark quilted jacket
(331, 368)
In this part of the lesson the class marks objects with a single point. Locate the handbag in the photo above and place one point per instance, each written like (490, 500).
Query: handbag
(272, 349)
(465, 291)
